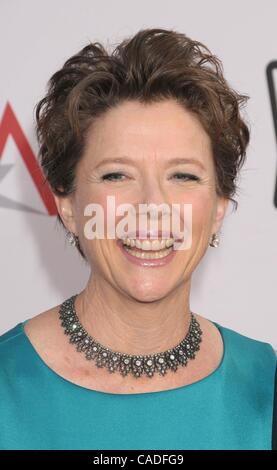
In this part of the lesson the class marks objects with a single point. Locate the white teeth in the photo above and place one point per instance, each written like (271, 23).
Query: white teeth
(150, 254)
(163, 243)
(149, 245)
(148, 249)
(155, 245)
(138, 244)
(145, 245)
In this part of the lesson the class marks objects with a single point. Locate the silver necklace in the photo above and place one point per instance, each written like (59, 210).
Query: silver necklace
(126, 363)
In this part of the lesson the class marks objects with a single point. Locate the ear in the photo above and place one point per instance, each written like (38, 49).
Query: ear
(219, 213)
(65, 208)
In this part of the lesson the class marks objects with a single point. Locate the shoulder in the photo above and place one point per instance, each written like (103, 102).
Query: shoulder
(237, 345)
(252, 360)
(11, 338)
(14, 345)
(14, 356)
(247, 345)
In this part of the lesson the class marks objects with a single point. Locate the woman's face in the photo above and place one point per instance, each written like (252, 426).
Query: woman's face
(152, 139)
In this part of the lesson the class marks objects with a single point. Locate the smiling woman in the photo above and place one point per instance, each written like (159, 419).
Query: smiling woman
(126, 364)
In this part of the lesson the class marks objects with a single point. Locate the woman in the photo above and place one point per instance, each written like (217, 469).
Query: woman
(125, 364)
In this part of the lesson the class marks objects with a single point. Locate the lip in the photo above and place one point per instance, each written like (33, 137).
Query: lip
(147, 262)
(143, 234)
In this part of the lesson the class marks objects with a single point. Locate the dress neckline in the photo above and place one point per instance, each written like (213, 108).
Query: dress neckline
(215, 373)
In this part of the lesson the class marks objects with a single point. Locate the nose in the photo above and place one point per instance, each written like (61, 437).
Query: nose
(153, 191)
(154, 201)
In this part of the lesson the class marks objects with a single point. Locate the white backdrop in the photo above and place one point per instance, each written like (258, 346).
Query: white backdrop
(235, 284)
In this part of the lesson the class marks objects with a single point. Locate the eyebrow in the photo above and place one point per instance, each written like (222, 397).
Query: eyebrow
(176, 161)
(173, 161)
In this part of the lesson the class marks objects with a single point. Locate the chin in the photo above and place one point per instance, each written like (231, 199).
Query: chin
(148, 293)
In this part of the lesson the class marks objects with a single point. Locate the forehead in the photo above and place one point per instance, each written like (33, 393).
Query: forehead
(163, 129)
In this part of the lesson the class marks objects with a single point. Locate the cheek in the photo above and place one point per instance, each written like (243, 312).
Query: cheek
(96, 249)
(83, 198)
(202, 210)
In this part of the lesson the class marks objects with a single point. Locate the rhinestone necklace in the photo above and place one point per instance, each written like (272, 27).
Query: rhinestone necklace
(137, 365)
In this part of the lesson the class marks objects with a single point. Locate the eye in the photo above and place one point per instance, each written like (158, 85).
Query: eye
(115, 176)
(184, 176)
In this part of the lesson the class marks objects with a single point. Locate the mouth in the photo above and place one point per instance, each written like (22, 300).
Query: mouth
(148, 249)
(147, 252)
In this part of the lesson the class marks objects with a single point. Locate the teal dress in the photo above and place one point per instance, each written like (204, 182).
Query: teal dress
(232, 408)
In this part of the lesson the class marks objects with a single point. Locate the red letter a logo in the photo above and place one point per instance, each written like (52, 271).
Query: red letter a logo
(9, 126)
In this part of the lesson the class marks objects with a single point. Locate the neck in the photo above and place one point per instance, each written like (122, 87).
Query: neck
(129, 326)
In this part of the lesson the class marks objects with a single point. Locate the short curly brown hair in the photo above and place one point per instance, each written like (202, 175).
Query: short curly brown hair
(153, 65)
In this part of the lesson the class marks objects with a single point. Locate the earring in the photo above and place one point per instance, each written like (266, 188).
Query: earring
(214, 241)
(71, 238)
